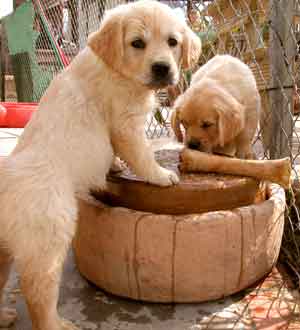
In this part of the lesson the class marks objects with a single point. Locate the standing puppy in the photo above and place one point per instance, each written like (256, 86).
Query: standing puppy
(220, 109)
(94, 109)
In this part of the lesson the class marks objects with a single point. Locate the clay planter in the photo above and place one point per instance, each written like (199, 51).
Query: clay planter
(179, 258)
(196, 193)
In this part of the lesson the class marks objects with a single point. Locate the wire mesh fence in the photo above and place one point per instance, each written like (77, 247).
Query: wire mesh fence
(262, 33)
(265, 34)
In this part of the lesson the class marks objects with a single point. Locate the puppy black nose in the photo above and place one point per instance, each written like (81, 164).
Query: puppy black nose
(160, 70)
(194, 145)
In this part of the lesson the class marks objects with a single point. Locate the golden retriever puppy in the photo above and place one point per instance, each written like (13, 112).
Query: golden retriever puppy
(220, 109)
(95, 109)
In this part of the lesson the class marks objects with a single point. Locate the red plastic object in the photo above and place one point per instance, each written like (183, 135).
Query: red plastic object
(16, 115)
(3, 113)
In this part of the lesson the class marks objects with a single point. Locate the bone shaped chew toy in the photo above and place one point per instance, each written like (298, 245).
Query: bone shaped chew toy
(277, 171)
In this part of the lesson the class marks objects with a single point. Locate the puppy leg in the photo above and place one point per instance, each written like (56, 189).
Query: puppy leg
(135, 150)
(246, 154)
(245, 151)
(228, 150)
(7, 315)
(40, 279)
(39, 261)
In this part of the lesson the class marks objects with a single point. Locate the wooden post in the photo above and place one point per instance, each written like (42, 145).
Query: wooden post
(282, 57)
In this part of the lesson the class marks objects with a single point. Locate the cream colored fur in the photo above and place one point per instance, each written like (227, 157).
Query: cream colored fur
(221, 108)
(95, 109)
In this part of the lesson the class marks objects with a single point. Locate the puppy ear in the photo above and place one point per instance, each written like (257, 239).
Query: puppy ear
(231, 120)
(191, 49)
(108, 41)
(175, 120)
(175, 124)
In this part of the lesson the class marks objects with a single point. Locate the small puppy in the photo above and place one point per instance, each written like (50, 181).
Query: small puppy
(95, 109)
(220, 109)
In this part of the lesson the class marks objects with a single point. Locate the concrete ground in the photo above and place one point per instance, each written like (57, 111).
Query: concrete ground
(272, 304)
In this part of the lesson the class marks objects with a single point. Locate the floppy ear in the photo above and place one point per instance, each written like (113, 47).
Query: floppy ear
(175, 124)
(107, 42)
(191, 49)
(231, 120)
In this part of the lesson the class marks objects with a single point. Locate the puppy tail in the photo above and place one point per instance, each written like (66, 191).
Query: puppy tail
(175, 124)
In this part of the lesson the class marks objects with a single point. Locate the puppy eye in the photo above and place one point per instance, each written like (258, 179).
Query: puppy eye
(206, 124)
(172, 42)
(138, 43)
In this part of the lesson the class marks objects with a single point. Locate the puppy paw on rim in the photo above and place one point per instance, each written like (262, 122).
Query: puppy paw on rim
(67, 325)
(165, 178)
(7, 317)
(118, 165)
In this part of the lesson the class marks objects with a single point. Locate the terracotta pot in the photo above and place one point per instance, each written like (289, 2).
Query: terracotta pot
(183, 257)
(196, 193)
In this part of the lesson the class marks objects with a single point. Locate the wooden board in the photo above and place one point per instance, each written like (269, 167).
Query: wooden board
(196, 193)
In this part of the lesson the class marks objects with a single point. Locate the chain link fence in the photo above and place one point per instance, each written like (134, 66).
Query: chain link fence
(265, 34)
(262, 33)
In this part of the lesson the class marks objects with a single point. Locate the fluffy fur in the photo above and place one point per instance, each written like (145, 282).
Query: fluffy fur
(220, 110)
(95, 109)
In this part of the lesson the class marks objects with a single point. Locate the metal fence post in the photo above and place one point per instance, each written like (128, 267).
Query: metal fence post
(2, 63)
(282, 57)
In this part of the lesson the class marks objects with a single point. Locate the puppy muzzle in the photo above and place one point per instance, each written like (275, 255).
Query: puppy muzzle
(161, 75)
(195, 145)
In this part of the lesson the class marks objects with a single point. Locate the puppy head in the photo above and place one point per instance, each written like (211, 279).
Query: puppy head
(146, 42)
(210, 116)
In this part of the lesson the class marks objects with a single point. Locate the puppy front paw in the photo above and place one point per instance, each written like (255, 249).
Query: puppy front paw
(7, 317)
(67, 325)
(118, 165)
(164, 178)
